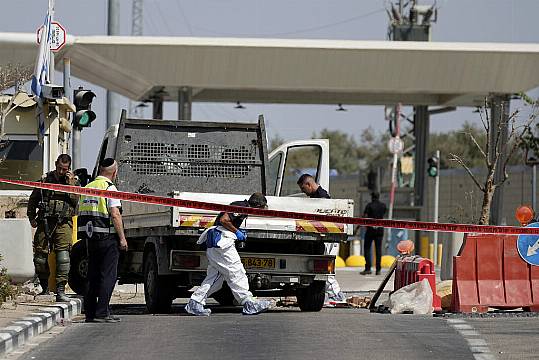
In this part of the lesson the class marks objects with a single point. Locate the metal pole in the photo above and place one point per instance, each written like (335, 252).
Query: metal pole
(47, 165)
(158, 107)
(184, 103)
(393, 174)
(436, 206)
(75, 146)
(534, 188)
(113, 28)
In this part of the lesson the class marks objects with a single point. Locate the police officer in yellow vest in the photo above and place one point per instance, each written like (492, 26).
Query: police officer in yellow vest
(100, 224)
(51, 213)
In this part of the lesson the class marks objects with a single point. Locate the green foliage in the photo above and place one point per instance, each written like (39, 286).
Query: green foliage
(6, 289)
(530, 140)
(343, 151)
(347, 155)
(459, 142)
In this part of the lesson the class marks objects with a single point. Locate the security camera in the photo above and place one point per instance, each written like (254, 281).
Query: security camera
(51, 91)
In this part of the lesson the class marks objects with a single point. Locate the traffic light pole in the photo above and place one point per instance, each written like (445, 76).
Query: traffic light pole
(534, 189)
(436, 206)
(75, 132)
(113, 28)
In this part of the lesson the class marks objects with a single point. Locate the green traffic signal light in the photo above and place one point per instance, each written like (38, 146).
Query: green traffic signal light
(83, 118)
(82, 99)
(433, 166)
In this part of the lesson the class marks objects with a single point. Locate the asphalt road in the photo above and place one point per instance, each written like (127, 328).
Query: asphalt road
(278, 334)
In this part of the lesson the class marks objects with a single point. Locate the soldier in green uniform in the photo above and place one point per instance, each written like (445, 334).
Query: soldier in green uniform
(51, 213)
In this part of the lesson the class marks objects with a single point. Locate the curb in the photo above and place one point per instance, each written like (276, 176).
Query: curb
(45, 318)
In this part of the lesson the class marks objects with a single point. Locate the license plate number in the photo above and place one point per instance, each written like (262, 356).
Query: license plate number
(258, 263)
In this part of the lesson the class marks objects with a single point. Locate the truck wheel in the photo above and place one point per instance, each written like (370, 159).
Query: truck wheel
(78, 270)
(224, 296)
(157, 294)
(311, 298)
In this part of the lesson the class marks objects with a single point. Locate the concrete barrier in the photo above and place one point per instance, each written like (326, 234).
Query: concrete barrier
(451, 244)
(16, 249)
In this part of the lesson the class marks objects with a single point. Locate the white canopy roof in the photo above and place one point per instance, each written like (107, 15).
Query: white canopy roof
(293, 71)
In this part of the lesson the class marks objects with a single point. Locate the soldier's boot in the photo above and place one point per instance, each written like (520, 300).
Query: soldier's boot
(62, 272)
(61, 294)
(44, 286)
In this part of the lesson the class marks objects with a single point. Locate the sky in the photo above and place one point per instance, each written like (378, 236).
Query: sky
(458, 21)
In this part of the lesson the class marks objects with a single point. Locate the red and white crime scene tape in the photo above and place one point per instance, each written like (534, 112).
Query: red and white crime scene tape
(166, 201)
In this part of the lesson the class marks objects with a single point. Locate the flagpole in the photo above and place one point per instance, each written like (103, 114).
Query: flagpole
(51, 68)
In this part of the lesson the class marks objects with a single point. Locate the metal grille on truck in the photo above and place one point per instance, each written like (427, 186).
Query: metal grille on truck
(191, 160)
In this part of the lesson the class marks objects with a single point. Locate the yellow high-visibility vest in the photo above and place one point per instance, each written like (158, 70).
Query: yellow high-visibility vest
(94, 216)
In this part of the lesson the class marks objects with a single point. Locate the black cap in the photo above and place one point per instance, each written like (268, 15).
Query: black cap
(105, 163)
(258, 200)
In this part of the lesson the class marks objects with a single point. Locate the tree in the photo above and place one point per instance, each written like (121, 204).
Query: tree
(11, 77)
(494, 150)
(343, 151)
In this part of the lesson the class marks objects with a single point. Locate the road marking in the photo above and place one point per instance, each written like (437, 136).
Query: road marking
(477, 345)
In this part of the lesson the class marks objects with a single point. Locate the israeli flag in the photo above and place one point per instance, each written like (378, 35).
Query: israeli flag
(41, 71)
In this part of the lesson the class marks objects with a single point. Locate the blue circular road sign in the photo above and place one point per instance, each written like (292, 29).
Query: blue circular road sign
(528, 247)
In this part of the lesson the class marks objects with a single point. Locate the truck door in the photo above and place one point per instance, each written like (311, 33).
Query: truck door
(290, 160)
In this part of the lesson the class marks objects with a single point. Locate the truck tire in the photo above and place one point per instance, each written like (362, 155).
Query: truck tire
(311, 298)
(78, 270)
(224, 296)
(157, 292)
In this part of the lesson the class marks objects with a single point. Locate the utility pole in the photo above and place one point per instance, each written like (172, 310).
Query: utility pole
(75, 131)
(113, 28)
(136, 30)
(436, 207)
(534, 187)
(412, 22)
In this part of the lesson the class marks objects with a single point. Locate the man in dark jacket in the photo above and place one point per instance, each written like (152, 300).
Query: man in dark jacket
(375, 210)
(310, 187)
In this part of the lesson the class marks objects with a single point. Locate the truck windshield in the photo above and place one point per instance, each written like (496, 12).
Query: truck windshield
(20, 160)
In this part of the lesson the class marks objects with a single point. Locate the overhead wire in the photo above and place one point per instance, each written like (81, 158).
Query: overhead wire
(185, 19)
(162, 16)
(313, 28)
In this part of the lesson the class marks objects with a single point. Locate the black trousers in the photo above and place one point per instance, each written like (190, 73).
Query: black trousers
(377, 237)
(103, 255)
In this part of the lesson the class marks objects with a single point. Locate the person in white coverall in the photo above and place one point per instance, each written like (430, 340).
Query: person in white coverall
(224, 263)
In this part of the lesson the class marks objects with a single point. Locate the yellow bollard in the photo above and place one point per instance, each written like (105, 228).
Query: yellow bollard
(439, 260)
(424, 251)
(355, 261)
(52, 257)
(431, 252)
(74, 236)
(52, 271)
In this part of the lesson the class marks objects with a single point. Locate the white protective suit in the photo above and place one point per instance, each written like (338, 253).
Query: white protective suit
(224, 264)
(333, 289)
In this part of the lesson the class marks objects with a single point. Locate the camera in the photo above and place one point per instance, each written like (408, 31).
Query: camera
(51, 91)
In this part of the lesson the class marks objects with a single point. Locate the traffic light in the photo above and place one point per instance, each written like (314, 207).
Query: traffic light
(82, 99)
(434, 166)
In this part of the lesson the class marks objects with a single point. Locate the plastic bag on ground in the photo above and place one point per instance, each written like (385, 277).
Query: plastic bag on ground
(416, 297)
